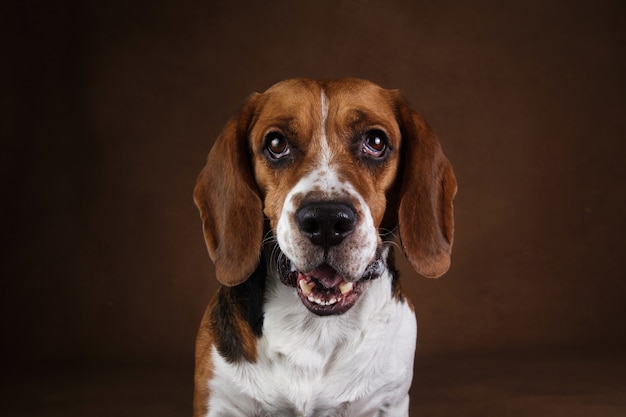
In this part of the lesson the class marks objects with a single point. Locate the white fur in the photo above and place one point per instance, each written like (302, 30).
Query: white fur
(358, 250)
(359, 363)
(326, 154)
(356, 364)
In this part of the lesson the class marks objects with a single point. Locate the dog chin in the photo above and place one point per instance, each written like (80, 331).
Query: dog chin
(323, 290)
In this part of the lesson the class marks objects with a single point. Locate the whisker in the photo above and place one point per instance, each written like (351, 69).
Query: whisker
(394, 244)
(390, 236)
(268, 238)
(387, 232)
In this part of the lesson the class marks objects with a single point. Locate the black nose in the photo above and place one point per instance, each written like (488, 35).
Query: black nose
(326, 224)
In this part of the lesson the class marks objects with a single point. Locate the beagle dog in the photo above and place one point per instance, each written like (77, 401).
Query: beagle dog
(301, 200)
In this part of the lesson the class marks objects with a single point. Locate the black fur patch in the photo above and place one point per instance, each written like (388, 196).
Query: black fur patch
(396, 290)
(237, 306)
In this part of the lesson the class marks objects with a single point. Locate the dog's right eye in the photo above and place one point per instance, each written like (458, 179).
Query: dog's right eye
(276, 145)
(375, 145)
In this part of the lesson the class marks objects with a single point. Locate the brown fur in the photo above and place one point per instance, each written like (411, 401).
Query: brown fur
(413, 189)
(355, 106)
(425, 213)
(227, 197)
(204, 366)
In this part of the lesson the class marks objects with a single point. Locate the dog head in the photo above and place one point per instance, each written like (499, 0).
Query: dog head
(334, 167)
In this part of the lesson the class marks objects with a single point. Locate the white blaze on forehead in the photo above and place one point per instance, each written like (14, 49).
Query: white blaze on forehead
(326, 153)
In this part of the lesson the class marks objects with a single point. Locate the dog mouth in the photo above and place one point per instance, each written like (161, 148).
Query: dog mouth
(324, 291)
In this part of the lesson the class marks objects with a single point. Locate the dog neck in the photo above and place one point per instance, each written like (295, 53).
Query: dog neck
(290, 329)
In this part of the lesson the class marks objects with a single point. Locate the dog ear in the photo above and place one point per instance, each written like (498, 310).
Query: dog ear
(229, 202)
(427, 190)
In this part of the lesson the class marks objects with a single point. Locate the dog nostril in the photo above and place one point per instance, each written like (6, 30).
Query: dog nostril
(326, 224)
(309, 224)
(344, 222)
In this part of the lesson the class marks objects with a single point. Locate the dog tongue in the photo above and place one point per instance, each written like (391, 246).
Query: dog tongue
(326, 276)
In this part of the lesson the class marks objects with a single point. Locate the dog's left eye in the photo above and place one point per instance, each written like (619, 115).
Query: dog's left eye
(276, 145)
(374, 144)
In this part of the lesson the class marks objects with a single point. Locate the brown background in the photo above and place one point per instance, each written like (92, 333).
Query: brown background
(111, 107)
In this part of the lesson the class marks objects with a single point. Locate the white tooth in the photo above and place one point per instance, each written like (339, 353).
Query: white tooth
(346, 287)
(306, 288)
(321, 302)
(315, 300)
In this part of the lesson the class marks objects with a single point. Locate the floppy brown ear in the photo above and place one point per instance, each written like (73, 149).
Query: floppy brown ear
(427, 190)
(229, 203)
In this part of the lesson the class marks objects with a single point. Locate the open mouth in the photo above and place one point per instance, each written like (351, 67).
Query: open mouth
(323, 290)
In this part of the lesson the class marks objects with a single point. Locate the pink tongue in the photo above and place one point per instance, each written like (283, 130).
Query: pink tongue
(326, 276)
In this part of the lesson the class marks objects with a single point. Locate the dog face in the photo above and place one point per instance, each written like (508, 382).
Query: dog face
(324, 159)
(327, 163)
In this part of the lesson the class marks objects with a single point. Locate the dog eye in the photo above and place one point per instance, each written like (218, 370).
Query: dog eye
(276, 145)
(374, 144)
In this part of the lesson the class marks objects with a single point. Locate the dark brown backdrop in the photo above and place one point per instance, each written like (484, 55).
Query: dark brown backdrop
(111, 107)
